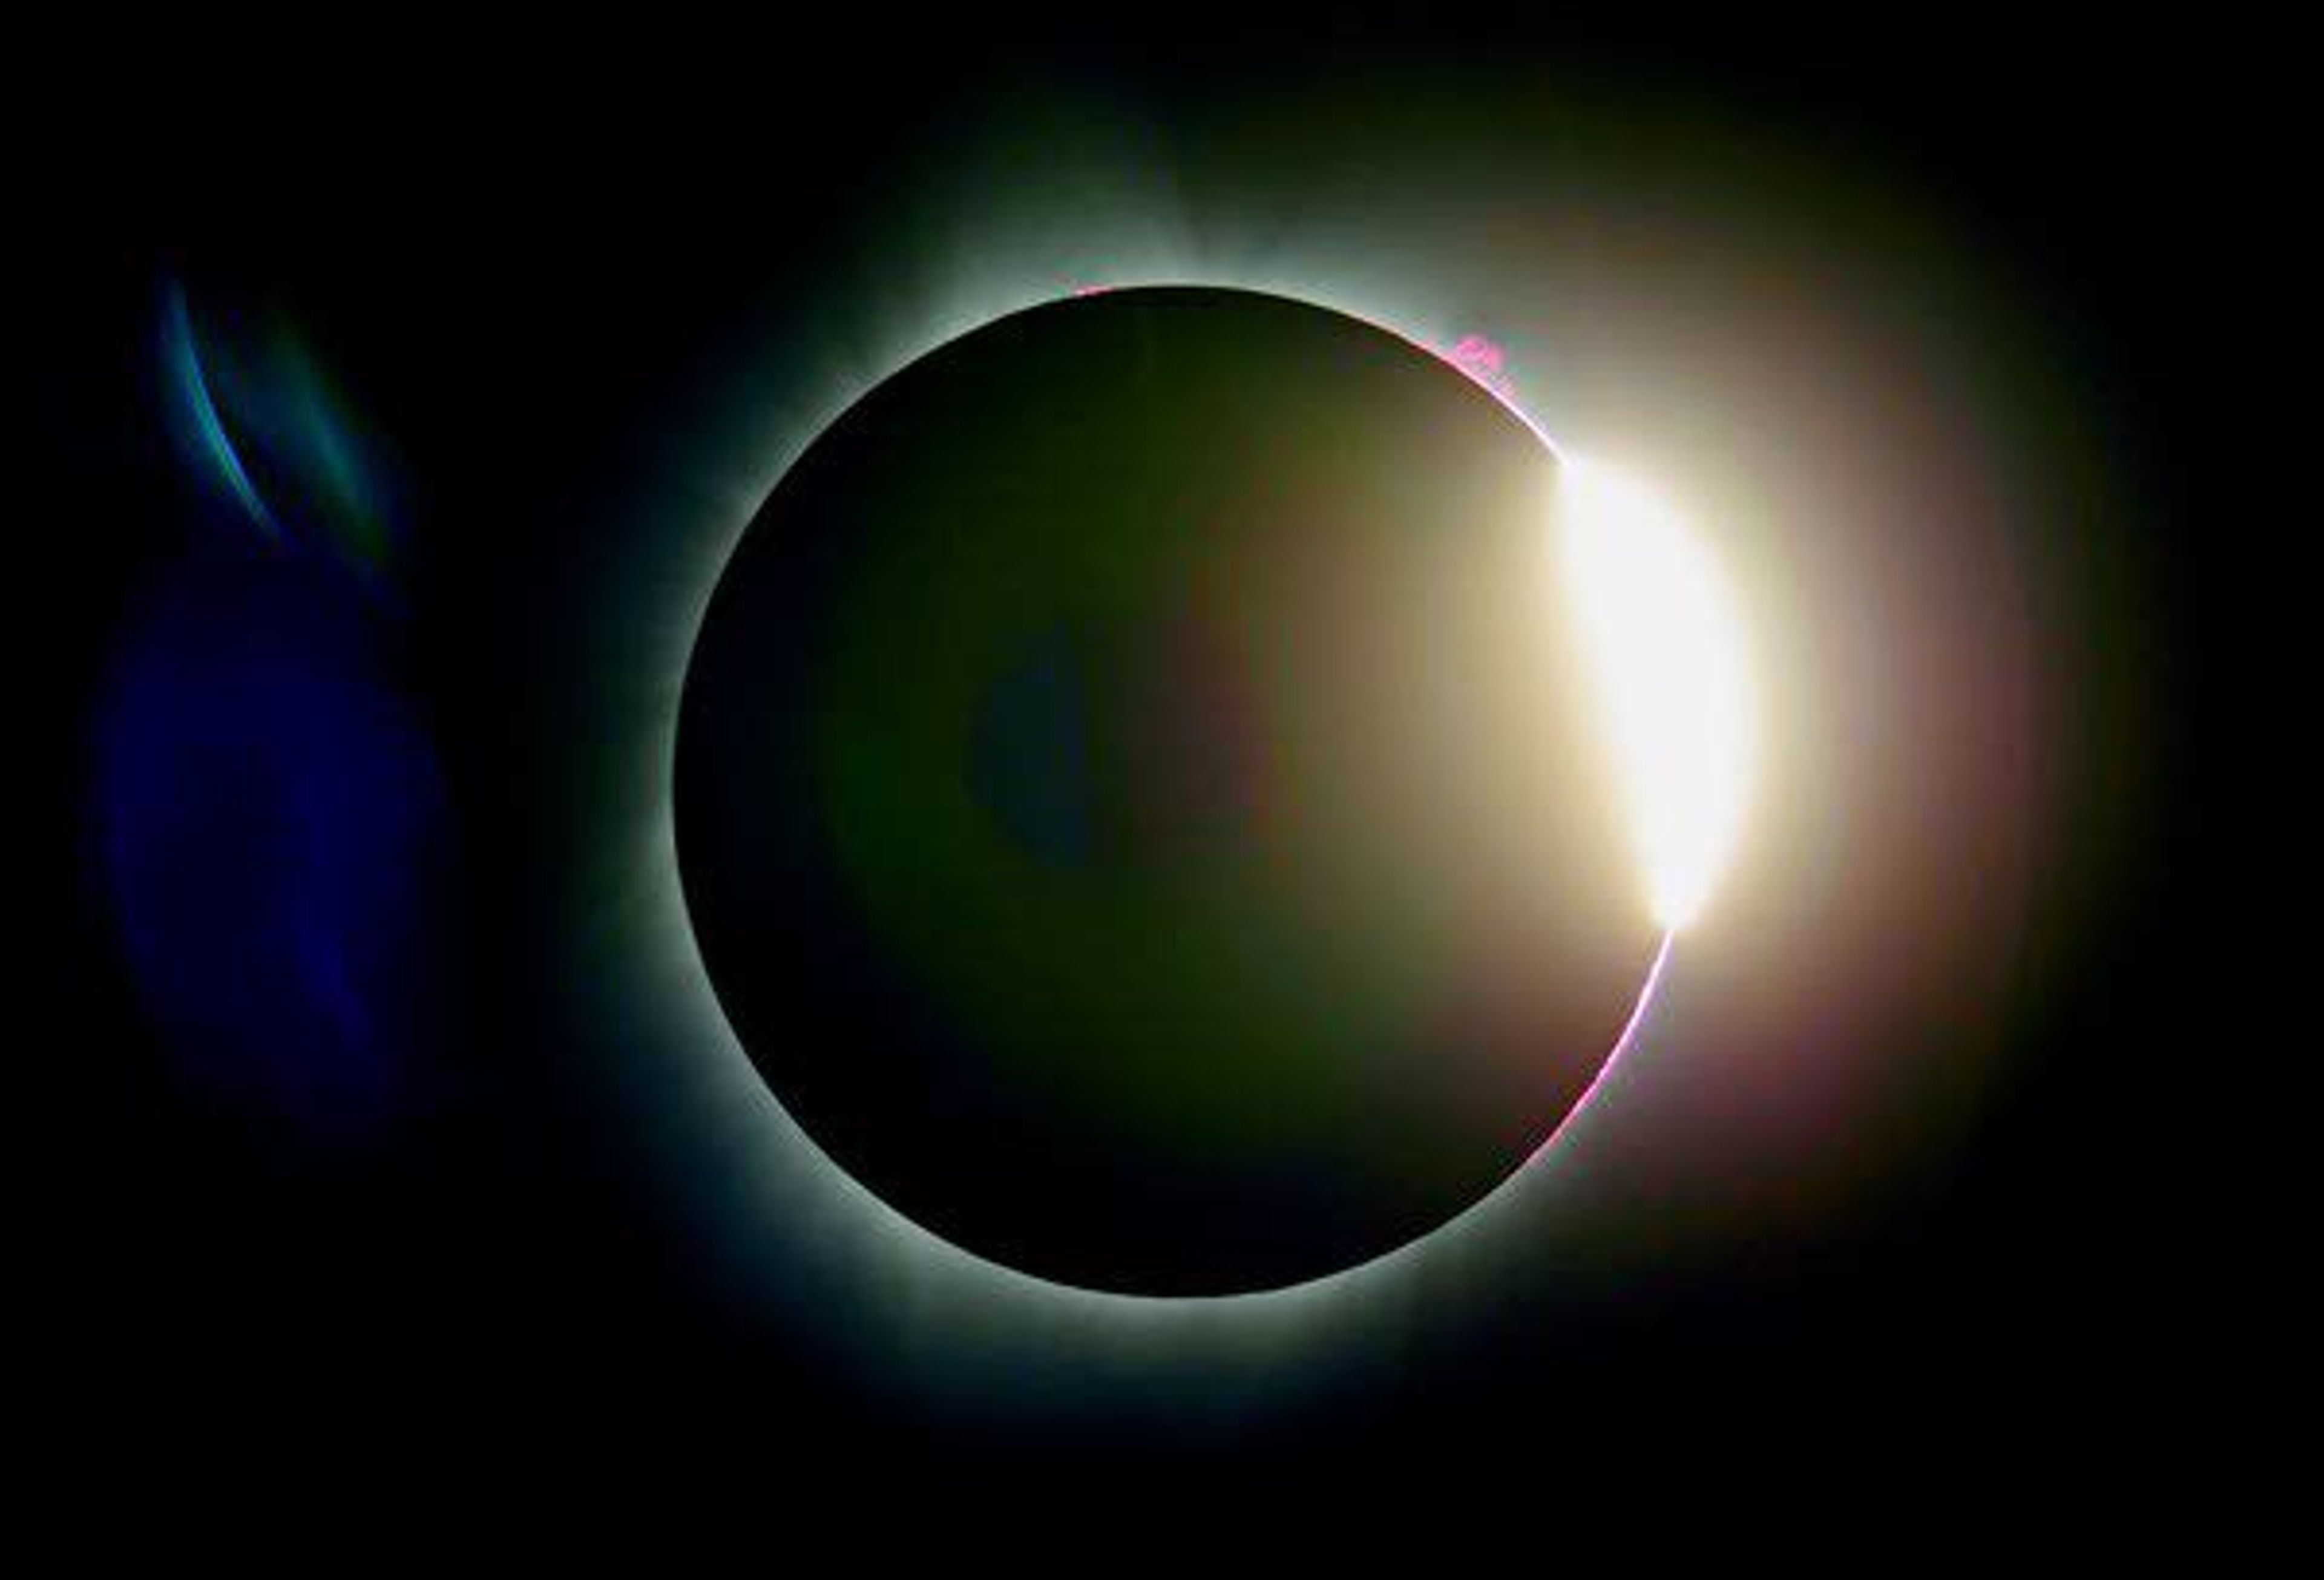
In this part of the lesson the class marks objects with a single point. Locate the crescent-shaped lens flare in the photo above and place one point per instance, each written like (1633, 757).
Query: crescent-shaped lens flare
(1665, 647)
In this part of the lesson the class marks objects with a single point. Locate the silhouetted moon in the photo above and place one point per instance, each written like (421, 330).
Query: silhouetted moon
(1137, 803)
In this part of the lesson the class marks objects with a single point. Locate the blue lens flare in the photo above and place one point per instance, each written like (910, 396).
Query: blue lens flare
(212, 449)
(271, 827)
(259, 423)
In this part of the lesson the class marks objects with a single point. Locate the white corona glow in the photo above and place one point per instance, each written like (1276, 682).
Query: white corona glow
(1664, 645)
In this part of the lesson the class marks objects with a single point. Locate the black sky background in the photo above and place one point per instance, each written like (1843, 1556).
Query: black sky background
(515, 250)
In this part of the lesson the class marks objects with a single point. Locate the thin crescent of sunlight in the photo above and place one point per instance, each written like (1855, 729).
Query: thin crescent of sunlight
(1663, 642)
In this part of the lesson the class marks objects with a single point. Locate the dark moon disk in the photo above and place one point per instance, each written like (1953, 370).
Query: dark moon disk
(1136, 800)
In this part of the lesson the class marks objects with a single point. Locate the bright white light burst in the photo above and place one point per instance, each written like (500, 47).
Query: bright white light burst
(1663, 644)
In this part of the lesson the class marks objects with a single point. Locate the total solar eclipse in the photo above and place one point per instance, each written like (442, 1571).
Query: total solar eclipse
(1144, 797)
